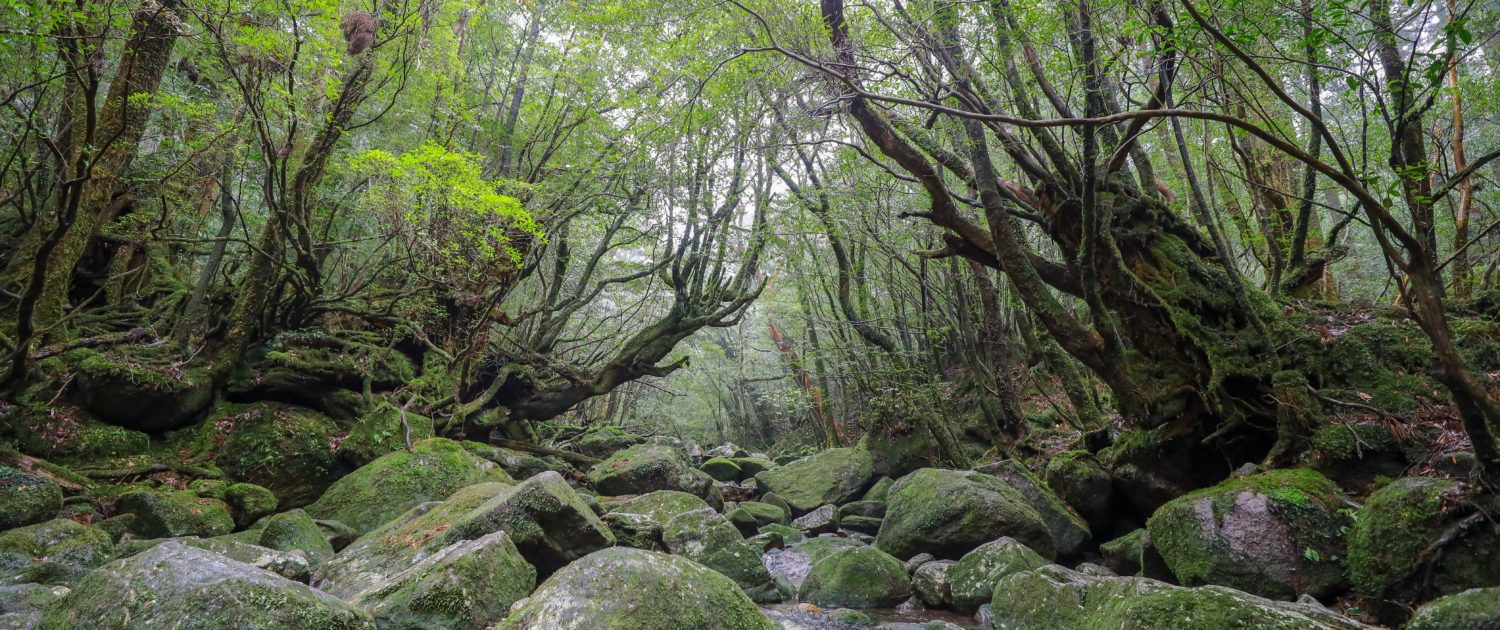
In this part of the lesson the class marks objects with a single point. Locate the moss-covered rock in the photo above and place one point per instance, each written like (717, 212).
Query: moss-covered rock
(26, 499)
(879, 490)
(1054, 597)
(174, 585)
(55, 552)
(288, 450)
(249, 502)
(210, 488)
(383, 489)
(651, 467)
(823, 520)
(866, 525)
(468, 585)
(1278, 534)
(817, 547)
(721, 469)
(752, 465)
(292, 566)
(788, 534)
(294, 531)
(379, 431)
(1123, 555)
(706, 537)
(950, 512)
(872, 509)
(71, 434)
(603, 441)
(856, 577)
(1081, 481)
(1474, 609)
(931, 582)
(169, 514)
(834, 476)
(661, 505)
(750, 516)
(515, 463)
(633, 530)
(547, 520)
(21, 605)
(322, 370)
(972, 581)
(1356, 455)
(632, 588)
(1069, 531)
(133, 388)
(1388, 545)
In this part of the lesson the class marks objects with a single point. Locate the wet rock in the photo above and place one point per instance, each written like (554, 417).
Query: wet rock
(856, 577)
(879, 490)
(193, 588)
(1474, 609)
(787, 533)
(292, 566)
(660, 506)
(834, 476)
(1397, 525)
(651, 467)
(972, 580)
(949, 512)
(706, 537)
(1278, 534)
(633, 530)
(123, 387)
(515, 463)
(546, 519)
(27, 499)
(167, 514)
(1069, 531)
(820, 521)
(21, 605)
(872, 509)
(468, 585)
(752, 465)
(605, 440)
(771, 498)
(393, 483)
(931, 583)
(721, 469)
(632, 588)
(56, 552)
(767, 541)
(283, 448)
(851, 617)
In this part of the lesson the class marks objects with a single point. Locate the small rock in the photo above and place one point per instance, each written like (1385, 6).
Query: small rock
(860, 524)
(931, 583)
(917, 561)
(851, 617)
(248, 502)
(820, 521)
(165, 514)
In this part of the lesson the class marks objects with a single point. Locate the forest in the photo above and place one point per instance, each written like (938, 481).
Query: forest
(749, 314)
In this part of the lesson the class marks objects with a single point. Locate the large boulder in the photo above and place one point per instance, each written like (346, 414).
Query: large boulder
(972, 581)
(380, 431)
(127, 387)
(623, 588)
(26, 499)
(660, 506)
(706, 537)
(650, 467)
(1055, 597)
(283, 448)
(721, 469)
(633, 530)
(178, 586)
(21, 605)
(856, 577)
(750, 516)
(931, 583)
(1069, 531)
(1474, 609)
(59, 551)
(548, 521)
(515, 463)
(834, 476)
(294, 532)
(468, 585)
(292, 566)
(950, 512)
(1080, 480)
(1389, 555)
(393, 483)
(820, 521)
(165, 514)
(1278, 534)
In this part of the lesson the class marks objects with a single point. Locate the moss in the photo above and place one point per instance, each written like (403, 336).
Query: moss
(856, 577)
(379, 431)
(249, 502)
(26, 498)
(294, 531)
(59, 551)
(651, 467)
(788, 534)
(139, 388)
(210, 488)
(164, 514)
(1123, 555)
(1474, 609)
(706, 537)
(470, 585)
(948, 513)
(972, 581)
(721, 469)
(832, 476)
(395, 482)
(288, 450)
(1397, 525)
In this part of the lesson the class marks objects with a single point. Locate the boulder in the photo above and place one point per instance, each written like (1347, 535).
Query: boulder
(282, 448)
(820, 521)
(603, 441)
(1355, 455)
(21, 605)
(167, 514)
(633, 530)
(125, 387)
(972, 580)
(27, 499)
(1474, 609)
(292, 566)
(834, 476)
(872, 509)
(950, 512)
(816, 548)
(879, 490)
(1069, 531)
(661, 505)
(1278, 534)
(931, 583)
(1123, 555)
(1400, 521)
(861, 525)
(788, 534)
(294, 532)
(56, 552)
(750, 516)
(651, 467)
(633, 588)
(752, 465)
(547, 520)
(856, 577)
(469, 585)
(175, 585)
(771, 498)
(393, 483)
(918, 560)
(706, 537)
(1055, 597)
(515, 463)
(721, 469)
(1081, 481)
(380, 431)
(249, 502)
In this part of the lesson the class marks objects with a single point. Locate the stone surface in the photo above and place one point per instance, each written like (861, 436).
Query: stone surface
(650, 467)
(1081, 481)
(1069, 531)
(706, 537)
(931, 583)
(834, 476)
(660, 506)
(56, 552)
(820, 521)
(393, 483)
(855, 577)
(949, 512)
(1474, 609)
(26, 499)
(468, 585)
(1395, 527)
(166, 514)
(972, 580)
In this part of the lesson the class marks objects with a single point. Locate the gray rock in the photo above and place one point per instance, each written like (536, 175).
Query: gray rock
(819, 521)
(706, 537)
(930, 581)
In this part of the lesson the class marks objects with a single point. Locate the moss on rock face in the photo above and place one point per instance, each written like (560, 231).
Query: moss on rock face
(972, 581)
(1081, 481)
(1397, 525)
(651, 467)
(661, 505)
(1277, 534)
(1355, 455)
(833, 476)
(1123, 555)
(706, 537)
(249, 502)
(392, 484)
(167, 514)
(26, 499)
(631, 588)
(1069, 531)
(128, 387)
(633, 530)
(59, 551)
(856, 577)
(467, 585)
(178, 586)
(288, 450)
(949, 512)
(294, 531)
(721, 469)
(750, 516)
(1474, 609)
(548, 521)
(379, 431)
(515, 463)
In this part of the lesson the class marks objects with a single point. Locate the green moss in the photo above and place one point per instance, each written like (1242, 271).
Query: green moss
(721, 469)
(1474, 609)
(1397, 525)
(26, 498)
(59, 551)
(706, 537)
(972, 581)
(249, 502)
(164, 514)
(379, 431)
(294, 531)
(470, 585)
(395, 482)
(289, 450)
(210, 488)
(832, 476)
(856, 577)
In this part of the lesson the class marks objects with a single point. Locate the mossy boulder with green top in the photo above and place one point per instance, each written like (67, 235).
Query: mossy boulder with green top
(750, 516)
(58, 551)
(168, 514)
(660, 506)
(1474, 609)
(856, 577)
(468, 585)
(721, 469)
(650, 467)
(834, 476)
(950, 512)
(1399, 523)
(130, 387)
(972, 581)
(294, 531)
(706, 537)
(1082, 481)
(1278, 534)
(27, 499)
(1069, 531)
(174, 585)
(393, 483)
(285, 449)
